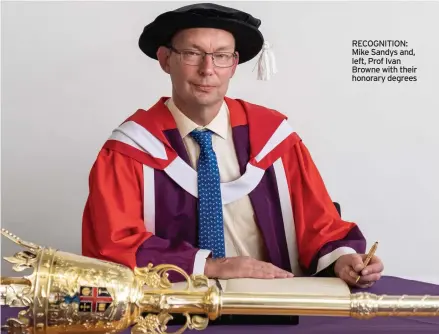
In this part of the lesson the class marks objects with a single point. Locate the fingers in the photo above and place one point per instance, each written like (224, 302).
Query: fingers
(375, 267)
(369, 278)
(349, 275)
(350, 268)
(353, 269)
(271, 271)
(246, 267)
(356, 262)
(366, 281)
(260, 269)
(278, 272)
(372, 272)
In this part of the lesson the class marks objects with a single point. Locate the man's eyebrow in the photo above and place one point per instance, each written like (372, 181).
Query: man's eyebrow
(228, 48)
(196, 46)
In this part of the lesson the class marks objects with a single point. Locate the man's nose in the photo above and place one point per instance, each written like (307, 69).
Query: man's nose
(207, 66)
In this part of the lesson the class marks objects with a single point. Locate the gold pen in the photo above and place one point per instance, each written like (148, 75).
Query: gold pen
(368, 258)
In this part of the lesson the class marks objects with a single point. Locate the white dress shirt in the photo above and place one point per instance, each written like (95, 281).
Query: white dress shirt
(241, 233)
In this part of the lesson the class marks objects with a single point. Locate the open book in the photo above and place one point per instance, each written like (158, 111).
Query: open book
(312, 286)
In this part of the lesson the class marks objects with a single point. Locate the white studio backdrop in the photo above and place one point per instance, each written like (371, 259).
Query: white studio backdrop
(72, 71)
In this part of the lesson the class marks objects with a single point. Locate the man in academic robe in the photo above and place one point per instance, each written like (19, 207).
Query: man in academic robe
(214, 185)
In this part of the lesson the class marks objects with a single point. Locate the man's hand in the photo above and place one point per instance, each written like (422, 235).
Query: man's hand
(349, 266)
(242, 267)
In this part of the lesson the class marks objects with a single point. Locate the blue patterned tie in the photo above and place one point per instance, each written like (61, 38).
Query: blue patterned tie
(211, 228)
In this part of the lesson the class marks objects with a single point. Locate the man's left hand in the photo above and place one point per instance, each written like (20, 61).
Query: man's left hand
(349, 266)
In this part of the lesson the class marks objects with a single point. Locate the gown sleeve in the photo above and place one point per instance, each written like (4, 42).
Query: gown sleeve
(113, 228)
(322, 236)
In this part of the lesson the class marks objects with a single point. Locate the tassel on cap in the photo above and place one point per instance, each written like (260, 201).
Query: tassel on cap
(266, 63)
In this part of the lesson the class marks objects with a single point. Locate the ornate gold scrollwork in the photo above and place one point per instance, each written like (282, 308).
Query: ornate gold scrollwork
(24, 259)
(17, 325)
(366, 305)
(158, 278)
(16, 293)
(157, 323)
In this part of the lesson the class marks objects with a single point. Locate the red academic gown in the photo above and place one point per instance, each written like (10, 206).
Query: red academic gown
(142, 204)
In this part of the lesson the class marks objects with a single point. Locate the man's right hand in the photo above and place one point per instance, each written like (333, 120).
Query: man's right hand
(242, 267)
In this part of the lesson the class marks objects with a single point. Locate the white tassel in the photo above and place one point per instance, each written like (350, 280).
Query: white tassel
(266, 63)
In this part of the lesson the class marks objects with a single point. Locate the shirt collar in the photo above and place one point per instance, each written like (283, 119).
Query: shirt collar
(219, 125)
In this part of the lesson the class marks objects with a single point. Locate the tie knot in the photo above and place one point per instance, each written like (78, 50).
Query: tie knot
(203, 138)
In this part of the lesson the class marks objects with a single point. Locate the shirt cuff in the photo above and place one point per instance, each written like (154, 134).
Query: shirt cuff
(200, 261)
(326, 260)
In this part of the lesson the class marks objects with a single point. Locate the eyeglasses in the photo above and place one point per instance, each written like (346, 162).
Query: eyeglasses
(195, 57)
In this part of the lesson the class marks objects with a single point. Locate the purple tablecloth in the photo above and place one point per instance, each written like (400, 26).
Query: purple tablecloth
(334, 325)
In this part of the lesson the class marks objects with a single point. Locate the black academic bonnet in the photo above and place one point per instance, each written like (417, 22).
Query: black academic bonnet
(243, 26)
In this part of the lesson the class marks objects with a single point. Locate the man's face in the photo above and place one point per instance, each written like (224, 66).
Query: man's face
(204, 84)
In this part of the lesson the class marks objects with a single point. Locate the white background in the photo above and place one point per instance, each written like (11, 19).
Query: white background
(72, 71)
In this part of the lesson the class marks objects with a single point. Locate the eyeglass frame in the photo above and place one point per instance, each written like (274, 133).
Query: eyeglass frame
(204, 54)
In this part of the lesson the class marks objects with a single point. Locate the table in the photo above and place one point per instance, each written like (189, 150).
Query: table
(335, 325)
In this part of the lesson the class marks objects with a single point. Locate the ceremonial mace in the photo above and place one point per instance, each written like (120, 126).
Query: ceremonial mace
(68, 293)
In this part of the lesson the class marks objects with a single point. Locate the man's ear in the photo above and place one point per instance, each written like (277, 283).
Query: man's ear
(235, 65)
(163, 54)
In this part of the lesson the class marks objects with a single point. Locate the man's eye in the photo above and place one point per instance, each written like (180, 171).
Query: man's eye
(191, 53)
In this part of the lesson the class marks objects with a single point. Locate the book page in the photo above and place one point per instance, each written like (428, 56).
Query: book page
(325, 286)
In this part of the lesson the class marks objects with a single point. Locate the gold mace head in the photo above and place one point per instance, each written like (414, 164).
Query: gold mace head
(72, 293)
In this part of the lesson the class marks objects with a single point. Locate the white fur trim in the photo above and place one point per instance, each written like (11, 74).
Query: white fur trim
(149, 199)
(142, 138)
(138, 137)
(186, 177)
(120, 136)
(234, 190)
(200, 261)
(329, 258)
(287, 216)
